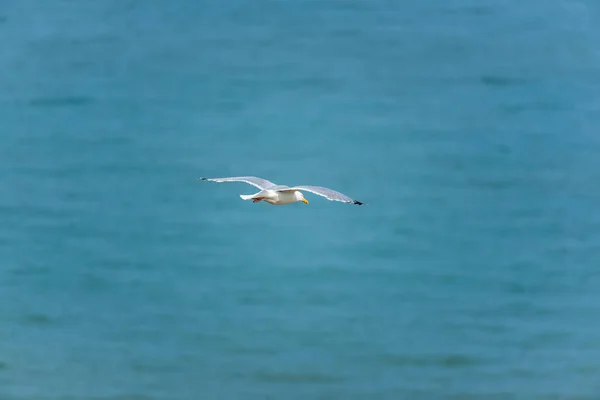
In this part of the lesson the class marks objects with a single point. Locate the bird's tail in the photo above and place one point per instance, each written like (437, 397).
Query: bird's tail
(246, 196)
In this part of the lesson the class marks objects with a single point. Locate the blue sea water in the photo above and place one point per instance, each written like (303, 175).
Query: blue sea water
(469, 127)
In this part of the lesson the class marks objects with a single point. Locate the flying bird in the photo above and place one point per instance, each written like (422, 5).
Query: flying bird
(280, 194)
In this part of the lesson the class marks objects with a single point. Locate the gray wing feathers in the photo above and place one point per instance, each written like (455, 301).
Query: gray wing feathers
(251, 180)
(329, 194)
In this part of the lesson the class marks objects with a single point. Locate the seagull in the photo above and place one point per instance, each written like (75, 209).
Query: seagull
(280, 195)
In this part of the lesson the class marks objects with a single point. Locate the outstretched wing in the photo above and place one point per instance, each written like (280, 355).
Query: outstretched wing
(327, 193)
(252, 180)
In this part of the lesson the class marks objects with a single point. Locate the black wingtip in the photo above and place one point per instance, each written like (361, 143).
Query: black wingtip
(203, 179)
(358, 203)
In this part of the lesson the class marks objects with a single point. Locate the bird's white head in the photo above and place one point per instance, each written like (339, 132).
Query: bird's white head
(300, 197)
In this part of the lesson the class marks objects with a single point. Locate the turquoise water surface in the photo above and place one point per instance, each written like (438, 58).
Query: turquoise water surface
(469, 127)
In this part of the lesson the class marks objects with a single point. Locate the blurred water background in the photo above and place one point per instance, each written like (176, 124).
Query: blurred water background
(469, 127)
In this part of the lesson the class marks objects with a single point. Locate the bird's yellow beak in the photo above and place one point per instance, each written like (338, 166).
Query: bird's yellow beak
(305, 201)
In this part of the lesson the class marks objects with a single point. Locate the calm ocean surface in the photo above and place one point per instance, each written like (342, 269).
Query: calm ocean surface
(471, 128)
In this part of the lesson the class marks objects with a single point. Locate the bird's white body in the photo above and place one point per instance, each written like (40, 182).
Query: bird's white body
(276, 198)
(280, 195)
